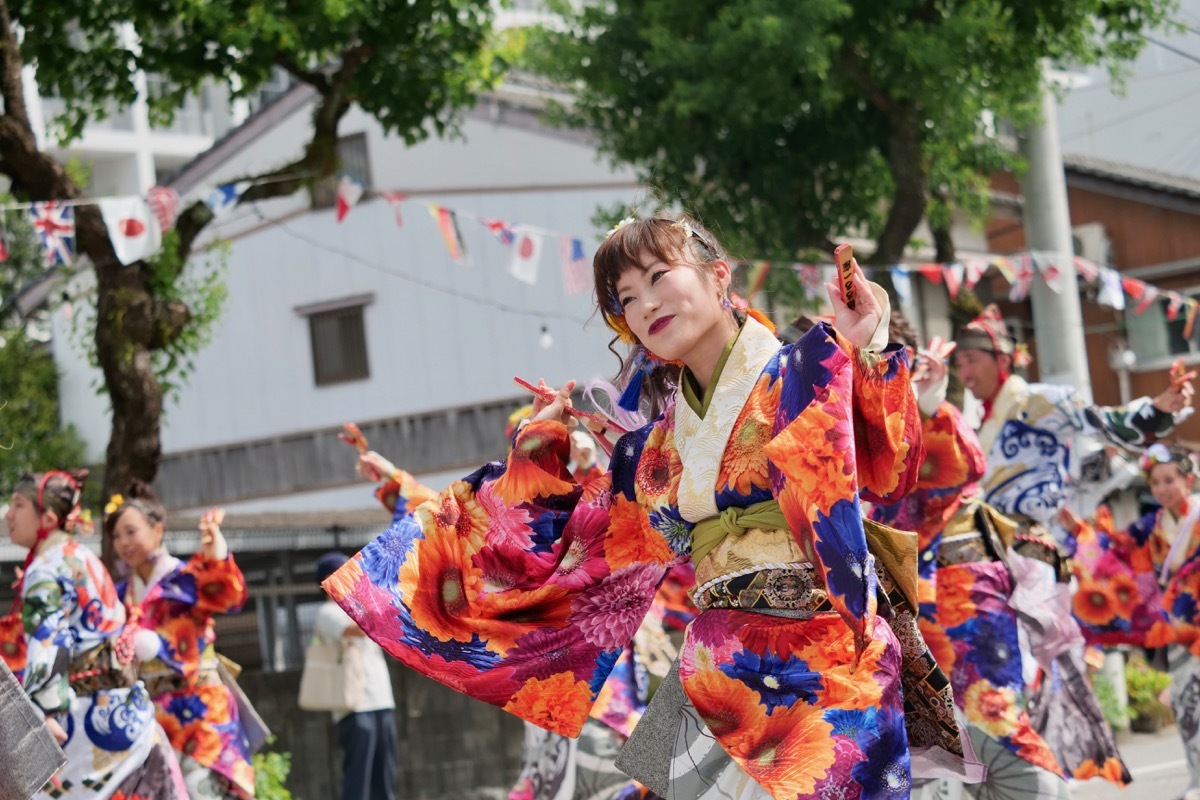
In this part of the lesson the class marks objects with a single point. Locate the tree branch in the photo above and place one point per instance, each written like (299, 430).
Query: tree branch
(852, 65)
(10, 73)
(317, 80)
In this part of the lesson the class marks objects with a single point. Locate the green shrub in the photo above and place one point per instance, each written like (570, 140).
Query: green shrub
(1144, 684)
(270, 774)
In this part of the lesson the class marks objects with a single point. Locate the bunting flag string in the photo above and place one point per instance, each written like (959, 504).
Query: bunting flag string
(136, 224)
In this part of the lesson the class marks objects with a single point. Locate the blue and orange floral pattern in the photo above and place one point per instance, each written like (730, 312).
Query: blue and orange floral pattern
(200, 716)
(825, 424)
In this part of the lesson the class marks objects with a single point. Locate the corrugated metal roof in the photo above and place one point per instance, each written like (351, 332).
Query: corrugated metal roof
(1134, 175)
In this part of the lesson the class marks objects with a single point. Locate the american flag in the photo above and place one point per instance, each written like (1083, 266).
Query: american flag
(164, 202)
(577, 276)
(55, 226)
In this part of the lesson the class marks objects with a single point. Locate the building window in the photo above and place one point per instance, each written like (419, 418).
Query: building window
(353, 160)
(1156, 340)
(339, 340)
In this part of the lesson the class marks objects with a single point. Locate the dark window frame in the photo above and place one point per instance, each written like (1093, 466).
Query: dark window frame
(337, 335)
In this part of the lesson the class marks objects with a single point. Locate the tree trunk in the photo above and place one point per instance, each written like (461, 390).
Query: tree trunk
(944, 242)
(907, 166)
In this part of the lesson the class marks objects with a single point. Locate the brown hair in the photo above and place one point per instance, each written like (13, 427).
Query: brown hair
(668, 237)
(901, 330)
(140, 496)
(61, 491)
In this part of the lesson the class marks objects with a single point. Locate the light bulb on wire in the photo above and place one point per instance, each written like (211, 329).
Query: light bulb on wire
(546, 340)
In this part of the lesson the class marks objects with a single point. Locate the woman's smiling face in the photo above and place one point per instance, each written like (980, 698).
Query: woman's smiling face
(674, 308)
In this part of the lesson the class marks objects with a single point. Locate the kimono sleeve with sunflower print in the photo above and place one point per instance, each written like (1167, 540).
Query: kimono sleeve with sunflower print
(847, 426)
(953, 461)
(514, 585)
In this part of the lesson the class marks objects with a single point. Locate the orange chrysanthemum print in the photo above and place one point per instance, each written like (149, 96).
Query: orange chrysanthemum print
(198, 740)
(220, 586)
(944, 464)
(558, 703)
(182, 636)
(1161, 634)
(744, 465)
(954, 603)
(656, 478)
(341, 584)
(216, 698)
(527, 476)
(438, 583)
(1112, 771)
(788, 751)
(1094, 603)
(810, 461)
(992, 708)
(457, 512)
(631, 539)
(726, 705)
(1125, 595)
(500, 618)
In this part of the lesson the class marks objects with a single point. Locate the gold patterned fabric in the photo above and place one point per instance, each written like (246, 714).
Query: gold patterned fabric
(795, 589)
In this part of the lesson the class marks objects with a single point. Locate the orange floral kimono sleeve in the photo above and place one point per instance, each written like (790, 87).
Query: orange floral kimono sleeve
(514, 585)
(402, 493)
(887, 423)
(847, 425)
(220, 587)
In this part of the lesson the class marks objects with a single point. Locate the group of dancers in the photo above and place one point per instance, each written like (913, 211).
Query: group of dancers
(800, 574)
(125, 674)
(882, 595)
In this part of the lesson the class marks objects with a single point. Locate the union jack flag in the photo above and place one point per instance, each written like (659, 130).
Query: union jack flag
(55, 226)
(502, 230)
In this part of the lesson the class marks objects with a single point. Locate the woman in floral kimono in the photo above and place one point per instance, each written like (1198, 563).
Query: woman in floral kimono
(73, 659)
(1142, 586)
(171, 604)
(965, 585)
(518, 588)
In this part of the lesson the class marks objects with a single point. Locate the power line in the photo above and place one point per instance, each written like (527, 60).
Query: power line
(504, 307)
(1133, 114)
(1174, 49)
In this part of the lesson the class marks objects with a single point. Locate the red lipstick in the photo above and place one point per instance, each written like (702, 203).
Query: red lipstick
(660, 323)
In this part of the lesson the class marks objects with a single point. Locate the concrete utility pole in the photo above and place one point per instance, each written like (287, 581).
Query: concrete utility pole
(1057, 318)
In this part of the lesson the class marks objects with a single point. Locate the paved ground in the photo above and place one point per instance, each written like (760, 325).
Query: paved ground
(1156, 762)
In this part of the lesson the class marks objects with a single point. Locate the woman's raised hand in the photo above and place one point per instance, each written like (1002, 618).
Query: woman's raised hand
(556, 409)
(212, 541)
(857, 324)
(374, 467)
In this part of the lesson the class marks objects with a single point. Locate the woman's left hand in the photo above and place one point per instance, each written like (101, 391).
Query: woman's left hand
(212, 542)
(857, 324)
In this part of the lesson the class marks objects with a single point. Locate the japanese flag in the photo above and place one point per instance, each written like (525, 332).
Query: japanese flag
(527, 252)
(132, 228)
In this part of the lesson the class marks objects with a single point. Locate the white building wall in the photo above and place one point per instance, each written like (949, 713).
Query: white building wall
(436, 337)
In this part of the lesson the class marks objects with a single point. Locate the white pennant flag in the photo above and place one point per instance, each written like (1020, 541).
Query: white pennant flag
(902, 283)
(973, 271)
(527, 252)
(953, 274)
(1111, 293)
(132, 228)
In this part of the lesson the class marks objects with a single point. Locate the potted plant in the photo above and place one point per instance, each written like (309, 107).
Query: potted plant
(1144, 685)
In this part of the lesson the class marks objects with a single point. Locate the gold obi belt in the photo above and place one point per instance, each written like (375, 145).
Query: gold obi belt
(160, 678)
(749, 559)
(980, 533)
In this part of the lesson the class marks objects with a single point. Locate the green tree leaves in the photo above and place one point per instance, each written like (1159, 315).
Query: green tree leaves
(785, 123)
